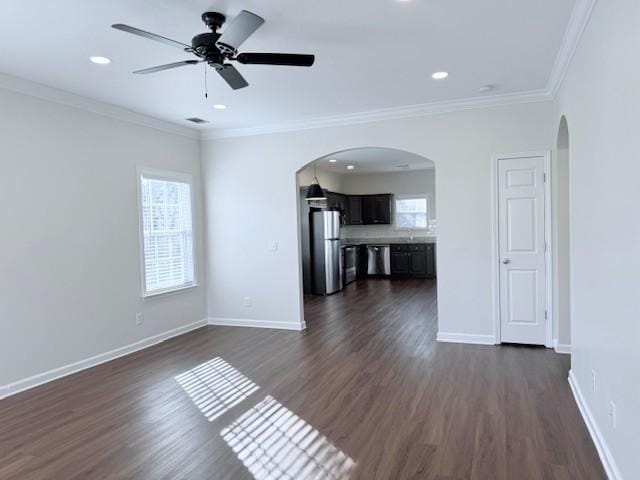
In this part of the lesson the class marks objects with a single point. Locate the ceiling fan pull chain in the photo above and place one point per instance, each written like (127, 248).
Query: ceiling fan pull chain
(206, 87)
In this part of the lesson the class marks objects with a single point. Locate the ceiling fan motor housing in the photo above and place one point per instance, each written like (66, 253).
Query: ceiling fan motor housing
(213, 20)
(205, 42)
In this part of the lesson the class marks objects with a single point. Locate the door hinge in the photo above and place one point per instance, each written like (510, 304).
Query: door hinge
(545, 315)
(544, 177)
(545, 246)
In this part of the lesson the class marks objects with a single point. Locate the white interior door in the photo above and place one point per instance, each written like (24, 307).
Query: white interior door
(522, 278)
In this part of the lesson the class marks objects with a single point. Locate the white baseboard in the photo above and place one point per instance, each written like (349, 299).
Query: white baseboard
(466, 338)
(244, 322)
(561, 347)
(45, 377)
(596, 435)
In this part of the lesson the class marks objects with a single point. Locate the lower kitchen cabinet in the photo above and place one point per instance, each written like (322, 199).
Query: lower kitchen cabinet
(399, 262)
(431, 260)
(413, 260)
(361, 262)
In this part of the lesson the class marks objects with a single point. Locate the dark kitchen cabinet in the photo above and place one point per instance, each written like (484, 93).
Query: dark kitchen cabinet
(338, 202)
(361, 209)
(399, 263)
(361, 262)
(354, 210)
(431, 260)
(418, 263)
(399, 260)
(415, 260)
(334, 201)
(376, 209)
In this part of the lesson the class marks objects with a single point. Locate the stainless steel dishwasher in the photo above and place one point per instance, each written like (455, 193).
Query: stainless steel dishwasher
(378, 260)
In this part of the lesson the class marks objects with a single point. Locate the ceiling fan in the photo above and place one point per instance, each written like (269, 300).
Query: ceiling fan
(217, 49)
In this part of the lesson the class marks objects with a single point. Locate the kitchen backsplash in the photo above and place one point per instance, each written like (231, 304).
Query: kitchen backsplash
(385, 231)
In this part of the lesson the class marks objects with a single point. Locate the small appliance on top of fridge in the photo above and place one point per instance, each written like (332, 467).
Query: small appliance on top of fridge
(326, 268)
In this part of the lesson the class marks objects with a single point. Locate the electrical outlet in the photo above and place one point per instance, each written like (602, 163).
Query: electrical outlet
(273, 247)
(139, 319)
(613, 414)
(246, 301)
(593, 380)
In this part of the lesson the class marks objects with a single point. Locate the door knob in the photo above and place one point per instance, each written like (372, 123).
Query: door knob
(506, 260)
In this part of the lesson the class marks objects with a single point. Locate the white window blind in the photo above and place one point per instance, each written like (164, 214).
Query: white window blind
(167, 232)
(411, 212)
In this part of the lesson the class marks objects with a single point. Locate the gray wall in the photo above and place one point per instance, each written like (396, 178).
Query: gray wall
(69, 248)
(460, 144)
(601, 100)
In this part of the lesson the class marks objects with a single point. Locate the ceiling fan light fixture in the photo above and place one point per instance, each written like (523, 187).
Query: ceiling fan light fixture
(440, 75)
(220, 106)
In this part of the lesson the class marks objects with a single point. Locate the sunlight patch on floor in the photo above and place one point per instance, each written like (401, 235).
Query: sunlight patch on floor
(215, 387)
(274, 443)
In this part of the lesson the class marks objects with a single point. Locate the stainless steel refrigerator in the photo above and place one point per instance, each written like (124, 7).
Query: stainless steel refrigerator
(326, 271)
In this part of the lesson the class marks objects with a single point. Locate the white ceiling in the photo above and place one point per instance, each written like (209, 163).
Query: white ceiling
(373, 160)
(370, 54)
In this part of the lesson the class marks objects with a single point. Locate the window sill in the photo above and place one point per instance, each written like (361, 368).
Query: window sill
(169, 291)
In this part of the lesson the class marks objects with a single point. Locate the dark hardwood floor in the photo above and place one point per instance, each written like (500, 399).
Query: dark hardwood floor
(365, 393)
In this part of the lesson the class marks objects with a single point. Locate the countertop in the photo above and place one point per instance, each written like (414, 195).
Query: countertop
(385, 241)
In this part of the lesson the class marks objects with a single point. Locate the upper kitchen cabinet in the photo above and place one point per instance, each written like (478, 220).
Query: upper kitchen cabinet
(360, 209)
(354, 210)
(376, 209)
(335, 201)
(339, 202)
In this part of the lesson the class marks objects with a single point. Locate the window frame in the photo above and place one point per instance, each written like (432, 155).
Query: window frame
(421, 196)
(170, 176)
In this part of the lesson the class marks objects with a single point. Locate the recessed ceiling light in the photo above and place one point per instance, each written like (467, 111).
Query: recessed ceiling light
(350, 167)
(220, 106)
(439, 75)
(333, 160)
(100, 60)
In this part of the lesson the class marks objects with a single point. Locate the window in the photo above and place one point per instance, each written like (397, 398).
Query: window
(166, 236)
(411, 212)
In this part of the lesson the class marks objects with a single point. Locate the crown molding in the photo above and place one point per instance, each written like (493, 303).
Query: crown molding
(580, 17)
(393, 113)
(27, 87)
(578, 21)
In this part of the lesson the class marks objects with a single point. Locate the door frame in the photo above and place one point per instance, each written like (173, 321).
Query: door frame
(548, 236)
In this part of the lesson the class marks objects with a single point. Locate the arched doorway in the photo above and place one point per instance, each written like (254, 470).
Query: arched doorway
(562, 333)
(385, 202)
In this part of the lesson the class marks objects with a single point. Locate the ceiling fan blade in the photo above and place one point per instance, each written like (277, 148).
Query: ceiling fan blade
(240, 28)
(232, 77)
(291, 59)
(168, 66)
(151, 36)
